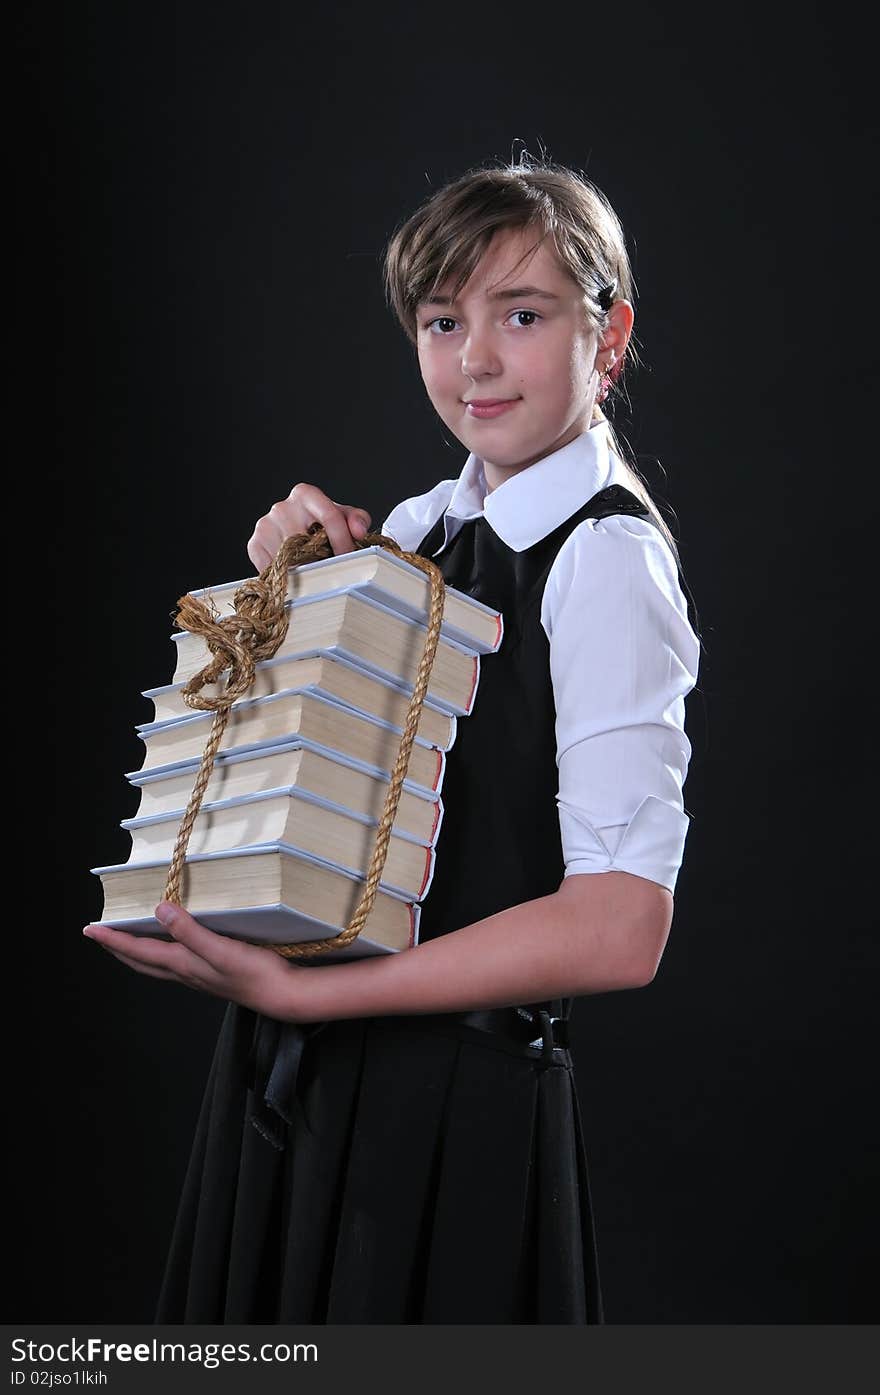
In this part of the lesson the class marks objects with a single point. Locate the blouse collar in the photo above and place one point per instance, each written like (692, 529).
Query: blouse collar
(530, 505)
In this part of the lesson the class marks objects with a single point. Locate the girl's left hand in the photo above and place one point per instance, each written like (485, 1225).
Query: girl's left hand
(252, 975)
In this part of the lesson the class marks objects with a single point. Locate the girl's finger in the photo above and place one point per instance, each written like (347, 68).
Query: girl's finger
(258, 555)
(200, 976)
(217, 952)
(336, 527)
(140, 968)
(265, 542)
(314, 505)
(358, 520)
(170, 957)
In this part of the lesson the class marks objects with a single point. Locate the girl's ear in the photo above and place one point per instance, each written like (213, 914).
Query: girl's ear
(620, 322)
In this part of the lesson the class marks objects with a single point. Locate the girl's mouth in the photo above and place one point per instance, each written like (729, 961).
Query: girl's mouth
(490, 407)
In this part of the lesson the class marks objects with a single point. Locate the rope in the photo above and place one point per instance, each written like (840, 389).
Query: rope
(255, 631)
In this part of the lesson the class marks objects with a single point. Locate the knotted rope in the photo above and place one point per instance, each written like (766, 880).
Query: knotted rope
(255, 632)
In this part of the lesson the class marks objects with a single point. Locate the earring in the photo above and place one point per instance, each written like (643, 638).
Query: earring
(605, 380)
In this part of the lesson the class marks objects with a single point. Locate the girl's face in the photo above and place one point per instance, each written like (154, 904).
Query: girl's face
(519, 332)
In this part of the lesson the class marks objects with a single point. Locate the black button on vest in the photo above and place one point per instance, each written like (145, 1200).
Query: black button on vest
(499, 843)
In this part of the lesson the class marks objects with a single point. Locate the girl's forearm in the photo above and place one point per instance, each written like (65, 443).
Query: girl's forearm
(565, 944)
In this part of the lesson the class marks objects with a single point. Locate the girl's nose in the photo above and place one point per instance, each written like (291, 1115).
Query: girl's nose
(478, 355)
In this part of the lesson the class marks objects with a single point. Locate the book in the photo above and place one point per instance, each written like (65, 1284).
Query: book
(285, 832)
(269, 894)
(382, 576)
(370, 635)
(332, 779)
(298, 820)
(372, 744)
(330, 676)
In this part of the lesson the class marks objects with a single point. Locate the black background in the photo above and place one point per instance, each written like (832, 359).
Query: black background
(207, 192)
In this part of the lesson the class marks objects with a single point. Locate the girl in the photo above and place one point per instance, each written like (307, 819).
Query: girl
(397, 1139)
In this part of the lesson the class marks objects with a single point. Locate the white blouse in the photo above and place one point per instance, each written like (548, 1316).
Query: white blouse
(623, 654)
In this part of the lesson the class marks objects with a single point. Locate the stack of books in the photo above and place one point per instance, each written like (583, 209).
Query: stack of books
(285, 833)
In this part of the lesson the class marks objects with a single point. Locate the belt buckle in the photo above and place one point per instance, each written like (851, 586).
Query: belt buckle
(546, 1040)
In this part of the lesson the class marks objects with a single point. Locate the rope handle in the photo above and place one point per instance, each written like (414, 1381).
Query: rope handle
(255, 631)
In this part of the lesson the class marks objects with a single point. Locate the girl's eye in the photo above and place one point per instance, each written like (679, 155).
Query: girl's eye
(447, 320)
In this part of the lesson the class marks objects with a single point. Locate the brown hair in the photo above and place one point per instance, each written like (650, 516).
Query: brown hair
(447, 235)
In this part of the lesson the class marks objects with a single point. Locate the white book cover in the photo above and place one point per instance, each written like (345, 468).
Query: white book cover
(294, 792)
(306, 797)
(370, 665)
(158, 772)
(273, 923)
(246, 704)
(374, 590)
(396, 688)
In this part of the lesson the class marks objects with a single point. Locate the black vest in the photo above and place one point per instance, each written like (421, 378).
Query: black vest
(499, 842)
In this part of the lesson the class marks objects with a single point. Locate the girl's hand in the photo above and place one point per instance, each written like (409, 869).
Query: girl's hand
(252, 975)
(305, 505)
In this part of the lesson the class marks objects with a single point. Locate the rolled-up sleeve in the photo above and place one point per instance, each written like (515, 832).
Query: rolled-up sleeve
(623, 657)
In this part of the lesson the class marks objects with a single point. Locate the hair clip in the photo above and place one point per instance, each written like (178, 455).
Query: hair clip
(606, 295)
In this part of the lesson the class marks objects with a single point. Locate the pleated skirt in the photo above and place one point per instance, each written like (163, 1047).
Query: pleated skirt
(429, 1175)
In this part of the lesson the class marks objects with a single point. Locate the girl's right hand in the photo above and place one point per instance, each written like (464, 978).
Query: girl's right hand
(305, 505)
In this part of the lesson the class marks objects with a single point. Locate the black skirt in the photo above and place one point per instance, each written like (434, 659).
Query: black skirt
(430, 1173)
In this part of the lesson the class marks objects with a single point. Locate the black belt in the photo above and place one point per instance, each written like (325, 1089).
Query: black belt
(534, 1027)
(277, 1049)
